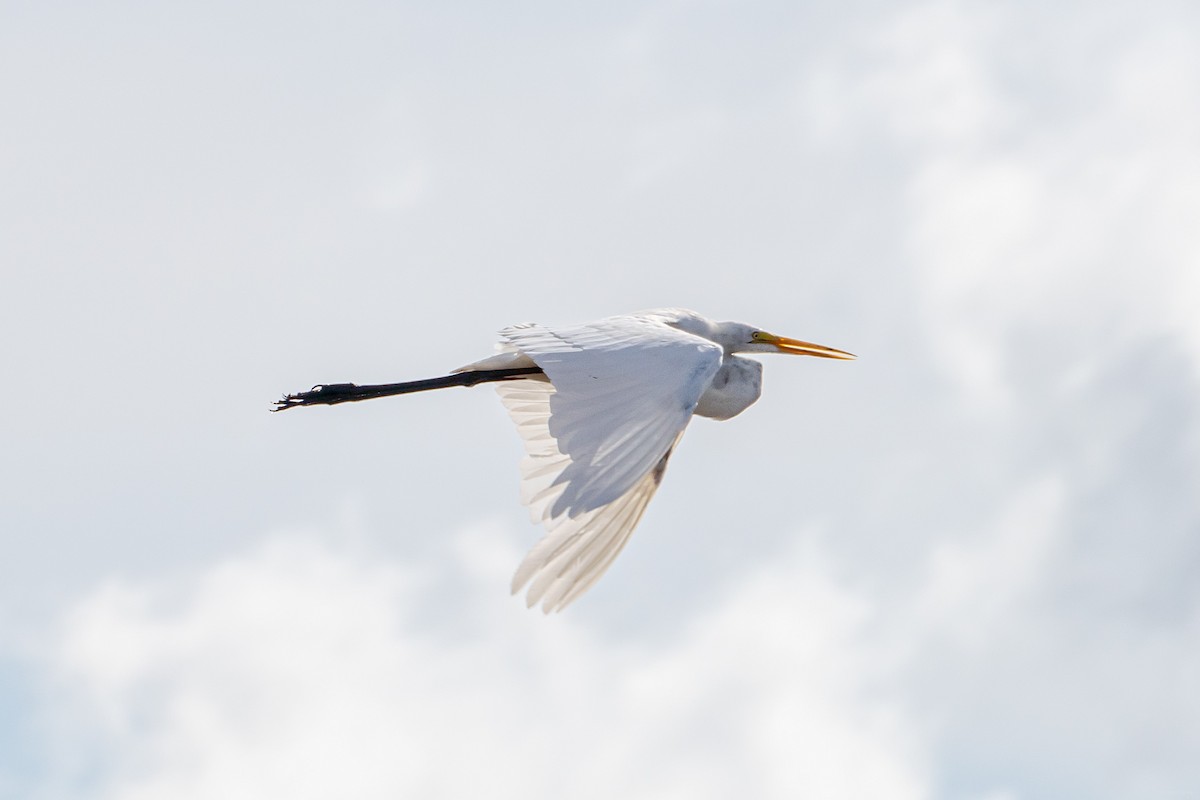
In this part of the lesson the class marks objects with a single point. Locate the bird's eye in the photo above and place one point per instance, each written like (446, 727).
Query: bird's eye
(756, 336)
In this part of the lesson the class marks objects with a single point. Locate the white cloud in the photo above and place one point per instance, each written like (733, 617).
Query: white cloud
(300, 671)
(304, 670)
(1037, 224)
(970, 589)
(931, 84)
(1039, 202)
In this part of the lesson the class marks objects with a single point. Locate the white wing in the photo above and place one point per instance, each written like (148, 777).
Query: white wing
(597, 440)
(625, 388)
(575, 552)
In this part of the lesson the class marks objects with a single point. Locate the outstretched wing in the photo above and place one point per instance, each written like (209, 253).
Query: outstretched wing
(597, 438)
(625, 388)
(575, 551)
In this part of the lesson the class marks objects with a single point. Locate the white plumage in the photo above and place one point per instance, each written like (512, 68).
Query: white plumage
(599, 427)
(599, 408)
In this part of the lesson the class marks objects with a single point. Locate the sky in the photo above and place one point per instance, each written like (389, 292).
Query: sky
(963, 567)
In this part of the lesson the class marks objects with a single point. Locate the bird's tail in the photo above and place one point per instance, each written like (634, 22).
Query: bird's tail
(328, 394)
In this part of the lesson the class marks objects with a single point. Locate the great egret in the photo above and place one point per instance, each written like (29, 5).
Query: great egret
(600, 407)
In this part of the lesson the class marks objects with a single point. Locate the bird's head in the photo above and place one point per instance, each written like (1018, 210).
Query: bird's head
(737, 337)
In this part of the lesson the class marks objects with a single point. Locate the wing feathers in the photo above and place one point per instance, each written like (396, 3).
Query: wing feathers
(597, 437)
(624, 389)
(573, 556)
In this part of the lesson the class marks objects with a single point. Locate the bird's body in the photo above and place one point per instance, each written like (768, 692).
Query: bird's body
(599, 408)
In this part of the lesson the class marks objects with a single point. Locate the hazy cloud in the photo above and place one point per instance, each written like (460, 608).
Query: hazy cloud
(307, 670)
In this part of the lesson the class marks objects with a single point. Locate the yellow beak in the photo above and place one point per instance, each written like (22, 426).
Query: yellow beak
(799, 348)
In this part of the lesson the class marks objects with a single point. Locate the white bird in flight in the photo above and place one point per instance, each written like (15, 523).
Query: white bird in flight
(600, 407)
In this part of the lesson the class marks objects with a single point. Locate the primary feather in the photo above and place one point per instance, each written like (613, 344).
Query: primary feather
(575, 551)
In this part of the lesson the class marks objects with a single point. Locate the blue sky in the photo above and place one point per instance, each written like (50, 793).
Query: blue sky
(960, 567)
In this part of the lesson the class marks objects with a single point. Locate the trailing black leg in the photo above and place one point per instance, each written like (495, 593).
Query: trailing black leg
(328, 394)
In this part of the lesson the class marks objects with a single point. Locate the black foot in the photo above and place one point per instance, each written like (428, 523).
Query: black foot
(323, 394)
